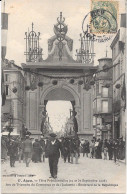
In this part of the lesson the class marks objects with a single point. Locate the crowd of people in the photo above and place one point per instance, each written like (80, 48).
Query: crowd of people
(19, 149)
(111, 149)
(69, 148)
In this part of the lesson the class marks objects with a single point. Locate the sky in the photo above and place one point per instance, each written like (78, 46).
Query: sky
(43, 14)
(58, 117)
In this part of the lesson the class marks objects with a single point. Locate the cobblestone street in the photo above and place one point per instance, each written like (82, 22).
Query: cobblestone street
(89, 176)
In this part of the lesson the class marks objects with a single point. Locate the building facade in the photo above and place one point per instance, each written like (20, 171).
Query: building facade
(98, 110)
(119, 84)
(14, 109)
(102, 100)
(69, 125)
(59, 77)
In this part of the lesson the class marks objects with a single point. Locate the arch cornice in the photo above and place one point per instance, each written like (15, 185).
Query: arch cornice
(66, 87)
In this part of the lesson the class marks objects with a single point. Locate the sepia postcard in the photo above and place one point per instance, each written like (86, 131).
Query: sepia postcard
(63, 96)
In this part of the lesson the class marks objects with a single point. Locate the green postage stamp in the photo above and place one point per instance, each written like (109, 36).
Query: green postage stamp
(104, 16)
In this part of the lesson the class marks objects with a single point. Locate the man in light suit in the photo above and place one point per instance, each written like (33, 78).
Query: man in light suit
(27, 150)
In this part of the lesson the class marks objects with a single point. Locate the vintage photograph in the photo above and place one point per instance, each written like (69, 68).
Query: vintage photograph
(63, 96)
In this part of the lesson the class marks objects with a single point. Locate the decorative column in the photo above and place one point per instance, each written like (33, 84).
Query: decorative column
(41, 110)
(78, 117)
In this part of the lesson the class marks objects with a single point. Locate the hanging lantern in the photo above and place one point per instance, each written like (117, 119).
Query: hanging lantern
(107, 85)
(27, 87)
(105, 68)
(92, 82)
(80, 82)
(72, 81)
(54, 82)
(86, 87)
(14, 90)
(117, 86)
(40, 84)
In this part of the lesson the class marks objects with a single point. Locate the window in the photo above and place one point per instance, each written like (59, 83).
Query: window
(94, 105)
(104, 106)
(98, 120)
(7, 90)
(104, 92)
(98, 105)
(7, 77)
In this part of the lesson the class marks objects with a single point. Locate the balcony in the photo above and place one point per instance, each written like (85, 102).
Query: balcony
(101, 111)
(103, 107)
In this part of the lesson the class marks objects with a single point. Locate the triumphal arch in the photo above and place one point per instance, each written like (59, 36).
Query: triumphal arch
(59, 77)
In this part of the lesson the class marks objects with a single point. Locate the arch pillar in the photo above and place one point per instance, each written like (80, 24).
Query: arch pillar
(78, 116)
(41, 109)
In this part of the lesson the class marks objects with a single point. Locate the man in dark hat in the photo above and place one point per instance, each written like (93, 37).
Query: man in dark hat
(36, 151)
(20, 147)
(13, 152)
(66, 149)
(53, 149)
(42, 153)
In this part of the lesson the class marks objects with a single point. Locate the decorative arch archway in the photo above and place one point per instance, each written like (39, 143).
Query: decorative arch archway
(72, 95)
(70, 91)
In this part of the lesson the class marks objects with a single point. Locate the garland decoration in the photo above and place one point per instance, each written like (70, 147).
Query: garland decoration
(40, 84)
(54, 82)
(14, 90)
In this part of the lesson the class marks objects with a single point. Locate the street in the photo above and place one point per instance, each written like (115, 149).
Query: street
(89, 176)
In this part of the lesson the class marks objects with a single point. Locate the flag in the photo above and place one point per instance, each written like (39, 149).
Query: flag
(123, 28)
(4, 21)
(3, 88)
(4, 30)
(123, 92)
